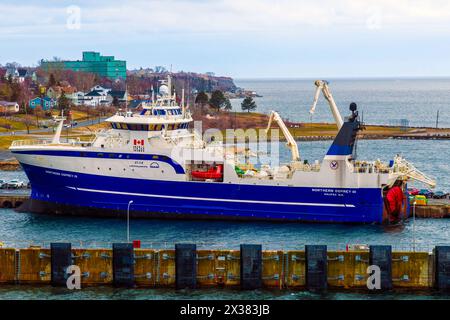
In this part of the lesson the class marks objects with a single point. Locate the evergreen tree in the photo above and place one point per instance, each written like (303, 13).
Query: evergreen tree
(63, 103)
(248, 104)
(201, 98)
(227, 104)
(218, 100)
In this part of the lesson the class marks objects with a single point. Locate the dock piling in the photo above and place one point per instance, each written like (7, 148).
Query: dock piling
(185, 266)
(61, 259)
(251, 266)
(316, 267)
(123, 264)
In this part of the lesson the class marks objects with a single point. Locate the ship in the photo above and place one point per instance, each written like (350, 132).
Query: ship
(152, 164)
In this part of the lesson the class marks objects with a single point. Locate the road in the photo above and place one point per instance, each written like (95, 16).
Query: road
(83, 123)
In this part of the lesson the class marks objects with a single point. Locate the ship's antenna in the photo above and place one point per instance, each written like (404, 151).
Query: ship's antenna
(182, 102)
(153, 94)
(126, 100)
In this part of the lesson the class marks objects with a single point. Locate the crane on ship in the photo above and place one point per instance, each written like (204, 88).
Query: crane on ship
(290, 139)
(322, 85)
(406, 169)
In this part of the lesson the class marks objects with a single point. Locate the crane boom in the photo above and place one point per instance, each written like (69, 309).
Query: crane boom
(290, 139)
(322, 85)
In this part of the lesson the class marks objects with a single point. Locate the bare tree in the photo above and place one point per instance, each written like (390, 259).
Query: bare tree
(38, 112)
(28, 122)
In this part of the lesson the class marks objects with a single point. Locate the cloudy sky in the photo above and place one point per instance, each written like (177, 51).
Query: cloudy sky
(239, 38)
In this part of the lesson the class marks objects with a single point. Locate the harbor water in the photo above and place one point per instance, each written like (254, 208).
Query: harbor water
(431, 157)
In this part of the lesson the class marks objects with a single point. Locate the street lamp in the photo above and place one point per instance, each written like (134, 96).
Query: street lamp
(128, 221)
(414, 225)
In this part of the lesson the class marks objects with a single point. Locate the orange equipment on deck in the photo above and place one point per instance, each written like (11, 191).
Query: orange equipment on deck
(212, 173)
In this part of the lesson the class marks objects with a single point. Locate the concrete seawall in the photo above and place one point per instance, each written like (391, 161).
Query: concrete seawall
(313, 268)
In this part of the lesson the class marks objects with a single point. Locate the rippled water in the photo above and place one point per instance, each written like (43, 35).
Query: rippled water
(382, 101)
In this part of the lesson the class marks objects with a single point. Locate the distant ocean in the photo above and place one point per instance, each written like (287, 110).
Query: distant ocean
(380, 101)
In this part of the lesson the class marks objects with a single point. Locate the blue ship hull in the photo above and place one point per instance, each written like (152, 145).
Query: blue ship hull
(62, 192)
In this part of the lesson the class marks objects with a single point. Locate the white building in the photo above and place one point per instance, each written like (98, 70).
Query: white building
(9, 107)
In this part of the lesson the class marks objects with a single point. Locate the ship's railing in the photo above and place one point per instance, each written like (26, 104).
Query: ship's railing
(40, 142)
(30, 142)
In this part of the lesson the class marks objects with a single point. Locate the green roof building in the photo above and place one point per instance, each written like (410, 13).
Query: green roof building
(104, 66)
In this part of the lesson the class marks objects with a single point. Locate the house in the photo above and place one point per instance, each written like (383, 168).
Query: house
(55, 92)
(12, 72)
(77, 98)
(45, 103)
(121, 96)
(95, 98)
(22, 74)
(9, 107)
(101, 90)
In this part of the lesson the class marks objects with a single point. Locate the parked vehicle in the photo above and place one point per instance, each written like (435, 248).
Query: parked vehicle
(413, 191)
(15, 184)
(439, 195)
(421, 200)
(426, 192)
(2, 184)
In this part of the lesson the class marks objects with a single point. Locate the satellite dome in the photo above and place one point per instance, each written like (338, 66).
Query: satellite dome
(164, 90)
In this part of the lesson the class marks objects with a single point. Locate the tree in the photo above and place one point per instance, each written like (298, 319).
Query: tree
(201, 98)
(248, 104)
(51, 80)
(38, 112)
(218, 100)
(63, 103)
(227, 105)
(28, 121)
(115, 102)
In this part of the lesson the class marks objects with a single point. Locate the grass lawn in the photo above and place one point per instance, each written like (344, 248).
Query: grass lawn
(15, 125)
(5, 141)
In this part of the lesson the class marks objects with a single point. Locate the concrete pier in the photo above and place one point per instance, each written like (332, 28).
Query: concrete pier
(12, 200)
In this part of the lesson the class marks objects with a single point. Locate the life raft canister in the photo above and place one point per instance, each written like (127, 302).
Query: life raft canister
(394, 202)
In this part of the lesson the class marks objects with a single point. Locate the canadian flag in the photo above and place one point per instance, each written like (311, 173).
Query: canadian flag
(138, 142)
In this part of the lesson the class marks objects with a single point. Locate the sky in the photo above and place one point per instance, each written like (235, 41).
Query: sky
(237, 38)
